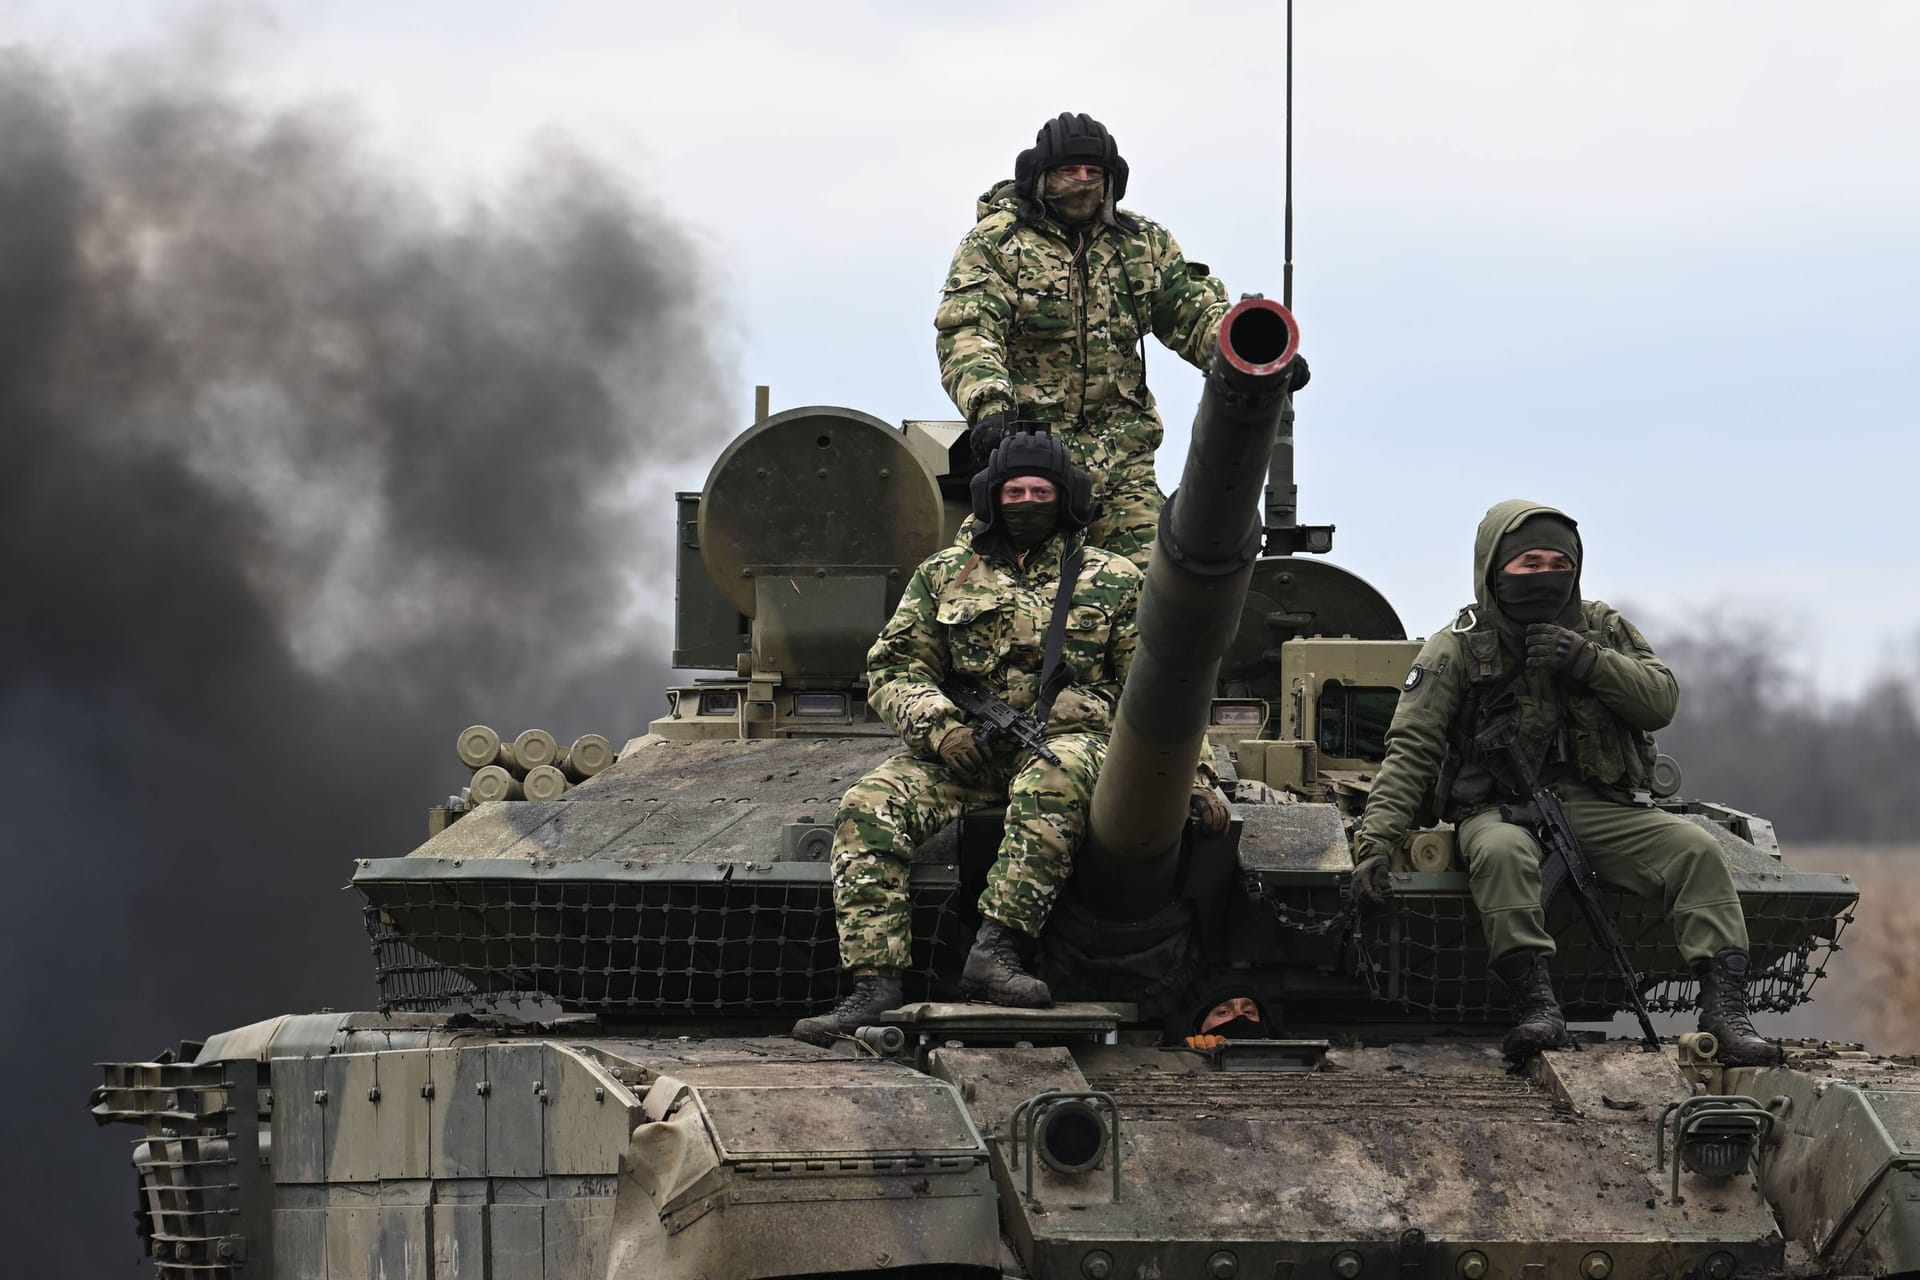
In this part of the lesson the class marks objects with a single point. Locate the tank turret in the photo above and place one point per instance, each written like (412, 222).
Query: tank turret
(782, 581)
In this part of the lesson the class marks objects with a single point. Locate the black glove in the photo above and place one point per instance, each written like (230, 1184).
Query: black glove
(1369, 884)
(1552, 647)
(1298, 373)
(988, 432)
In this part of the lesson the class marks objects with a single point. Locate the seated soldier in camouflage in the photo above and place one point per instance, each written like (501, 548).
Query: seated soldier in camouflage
(1046, 312)
(983, 611)
(1586, 692)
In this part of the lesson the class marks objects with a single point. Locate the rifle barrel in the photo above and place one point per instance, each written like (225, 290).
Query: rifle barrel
(1566, 865)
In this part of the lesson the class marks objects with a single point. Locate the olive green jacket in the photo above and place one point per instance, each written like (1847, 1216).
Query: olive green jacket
(1031, 321)
(1609, 720)
(984, 616)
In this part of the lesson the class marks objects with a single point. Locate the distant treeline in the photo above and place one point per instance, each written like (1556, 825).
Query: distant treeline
(1756, 733)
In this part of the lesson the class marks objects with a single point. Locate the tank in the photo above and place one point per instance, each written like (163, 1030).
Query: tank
(579, 1065)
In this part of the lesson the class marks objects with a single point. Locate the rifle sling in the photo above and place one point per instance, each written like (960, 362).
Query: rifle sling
(1055, 672)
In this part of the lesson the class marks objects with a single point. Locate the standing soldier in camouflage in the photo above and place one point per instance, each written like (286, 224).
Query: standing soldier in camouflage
(983, 611)
(1045, 315)
(1586, 693)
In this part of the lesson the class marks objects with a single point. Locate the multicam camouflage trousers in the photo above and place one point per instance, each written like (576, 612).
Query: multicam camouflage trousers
(1117, 449)
(905, 800)
(1641, 851)
(1129, 515)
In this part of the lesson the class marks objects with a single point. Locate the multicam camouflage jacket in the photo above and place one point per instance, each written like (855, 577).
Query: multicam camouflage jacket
(983, 616)
(1029, 321)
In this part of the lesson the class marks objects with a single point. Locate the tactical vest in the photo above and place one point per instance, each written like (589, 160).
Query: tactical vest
(1599, 746)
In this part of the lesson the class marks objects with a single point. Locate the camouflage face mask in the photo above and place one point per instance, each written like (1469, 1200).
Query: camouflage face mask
(1073, 200)
(1030, 523)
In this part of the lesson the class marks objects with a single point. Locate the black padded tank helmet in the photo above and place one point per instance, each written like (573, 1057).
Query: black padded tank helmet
(1032, 453)
(1070, 138)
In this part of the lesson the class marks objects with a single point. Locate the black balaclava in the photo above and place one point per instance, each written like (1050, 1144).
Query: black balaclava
(1240, 1028)
(1206, 995)
(1536, 597)
(1029, 524)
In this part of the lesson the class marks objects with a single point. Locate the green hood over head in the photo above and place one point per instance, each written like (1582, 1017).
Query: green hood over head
(1501, 519)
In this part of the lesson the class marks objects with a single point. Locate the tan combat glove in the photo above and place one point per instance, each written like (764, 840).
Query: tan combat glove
(1209, 809)
(959, 752)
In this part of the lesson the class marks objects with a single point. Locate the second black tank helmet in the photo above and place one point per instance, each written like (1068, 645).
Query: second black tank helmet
(1032, 453)
(1070, 138)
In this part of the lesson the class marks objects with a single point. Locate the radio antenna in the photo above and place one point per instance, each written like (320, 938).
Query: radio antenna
(1286, 270)
(1280, 522)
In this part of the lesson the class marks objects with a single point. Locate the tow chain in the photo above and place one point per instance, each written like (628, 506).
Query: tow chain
(1311, 923)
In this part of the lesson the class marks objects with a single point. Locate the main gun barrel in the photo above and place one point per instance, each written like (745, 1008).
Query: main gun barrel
(1196, 588)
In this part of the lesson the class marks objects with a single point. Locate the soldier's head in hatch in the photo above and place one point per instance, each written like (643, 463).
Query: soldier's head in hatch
(1241, 1009)
(1225, 1004)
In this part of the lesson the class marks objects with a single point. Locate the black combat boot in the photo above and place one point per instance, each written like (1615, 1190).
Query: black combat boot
(1723, 1010)
(1537, 1023)
(872, 995)
(999, 969)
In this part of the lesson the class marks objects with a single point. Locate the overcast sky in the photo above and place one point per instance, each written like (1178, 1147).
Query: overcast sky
(1651, 262)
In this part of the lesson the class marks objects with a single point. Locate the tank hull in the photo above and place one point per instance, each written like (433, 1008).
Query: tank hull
(424, 1146)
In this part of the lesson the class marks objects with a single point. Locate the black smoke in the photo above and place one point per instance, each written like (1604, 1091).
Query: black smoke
(302, 472)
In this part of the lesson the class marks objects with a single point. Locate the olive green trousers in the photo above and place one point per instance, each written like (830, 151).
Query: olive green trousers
(1637, 850)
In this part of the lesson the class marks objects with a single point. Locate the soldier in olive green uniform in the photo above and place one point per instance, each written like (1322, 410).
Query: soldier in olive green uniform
(1045, 315)
(1586, 692)
(982, 611)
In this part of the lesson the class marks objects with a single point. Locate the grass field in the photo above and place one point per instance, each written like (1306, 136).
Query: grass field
(1872, 989)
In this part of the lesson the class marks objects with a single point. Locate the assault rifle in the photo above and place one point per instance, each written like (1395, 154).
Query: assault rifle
(1498, 745)
(997, 720)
